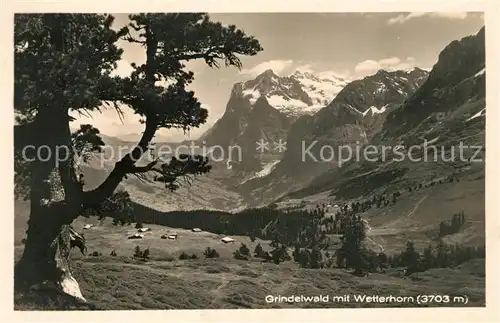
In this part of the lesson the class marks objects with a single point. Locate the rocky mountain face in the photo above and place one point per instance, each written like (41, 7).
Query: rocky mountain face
(447, 111)
(264, 109)
(454, 90)
(352, 118)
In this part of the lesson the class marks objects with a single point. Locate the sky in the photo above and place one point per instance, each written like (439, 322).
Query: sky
(350, 45)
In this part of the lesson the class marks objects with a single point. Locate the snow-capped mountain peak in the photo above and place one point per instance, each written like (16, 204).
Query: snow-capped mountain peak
(297, 94)
(321, 90)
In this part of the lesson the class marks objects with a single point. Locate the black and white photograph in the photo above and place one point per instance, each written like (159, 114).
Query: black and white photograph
(249, 160)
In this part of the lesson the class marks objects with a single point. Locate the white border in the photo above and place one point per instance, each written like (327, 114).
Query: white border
(488, 314)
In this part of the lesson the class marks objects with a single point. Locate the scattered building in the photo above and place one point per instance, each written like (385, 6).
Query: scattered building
(227, 240)
(87, 226)
(172, 236)
(196, 230)
(144, 230)
(136, 236)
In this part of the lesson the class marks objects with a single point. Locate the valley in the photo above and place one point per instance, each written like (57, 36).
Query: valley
(159, 232)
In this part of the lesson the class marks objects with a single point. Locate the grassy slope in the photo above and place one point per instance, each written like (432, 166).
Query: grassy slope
(113, 283)
(165, 282)
(417, 215)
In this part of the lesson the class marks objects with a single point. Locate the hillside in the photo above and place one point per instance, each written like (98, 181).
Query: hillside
(164, 282)
(340, 189)
(353, 118)
(446, 111)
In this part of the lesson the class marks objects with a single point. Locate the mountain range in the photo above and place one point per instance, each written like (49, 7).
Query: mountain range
(342, 111)
(388, 107)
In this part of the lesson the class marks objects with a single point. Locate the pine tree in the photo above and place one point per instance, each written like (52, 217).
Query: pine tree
(137, 251)
(237, 255)
(145, 254)
(244, 250)
(296, 253)
(428, 258)
(284, 253)
(442, 260)
(259, 252)
(382, 260)
(394, 198)
(63, 67)
(304, 259)
(411, 258)
(275, 255)
(210, 253)
(316, 259)
(351, 248)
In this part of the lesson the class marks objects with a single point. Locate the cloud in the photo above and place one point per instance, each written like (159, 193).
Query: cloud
(332, 74)
(325, 74)
(390, 64)
(402, 18)
(305, 68)
(276, 65)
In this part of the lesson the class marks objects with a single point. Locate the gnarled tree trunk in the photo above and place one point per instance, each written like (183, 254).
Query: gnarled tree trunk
(45, 261)
(54, 196)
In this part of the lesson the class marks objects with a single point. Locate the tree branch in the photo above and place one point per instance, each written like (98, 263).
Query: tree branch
(123, 167)
(205, 55)
(142, 169)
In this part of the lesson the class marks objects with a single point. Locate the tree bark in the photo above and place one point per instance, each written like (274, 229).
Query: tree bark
(45, 261)
(55, 203)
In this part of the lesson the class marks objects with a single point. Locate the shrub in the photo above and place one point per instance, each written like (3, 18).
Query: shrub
(113, 253)
(137, 251)
(244, 251)
(259, 252)
(237, 255)
(211, 253)
(183, 256)
(193, 256)
(139, 225)
(304, 258)
(452, 226)
(166, 258)
(145, 254)
(280, 254)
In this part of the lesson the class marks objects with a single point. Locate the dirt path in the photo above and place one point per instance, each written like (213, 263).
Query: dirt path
(219, 293)
(416, 206)
(370, 239)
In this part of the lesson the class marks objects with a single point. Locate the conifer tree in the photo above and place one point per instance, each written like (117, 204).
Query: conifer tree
(63, 67)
